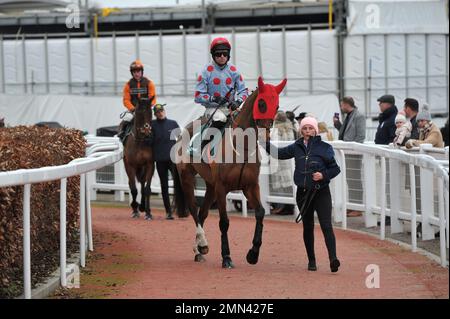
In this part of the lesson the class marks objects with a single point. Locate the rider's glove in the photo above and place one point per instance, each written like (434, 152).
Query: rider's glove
(234, 105)
(219, 100)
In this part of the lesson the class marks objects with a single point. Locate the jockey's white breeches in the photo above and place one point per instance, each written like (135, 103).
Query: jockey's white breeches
(128, 116)
(220, 115)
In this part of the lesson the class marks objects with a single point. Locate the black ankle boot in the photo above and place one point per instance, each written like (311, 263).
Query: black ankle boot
(312, 265)
(169, 216)
(334, 265)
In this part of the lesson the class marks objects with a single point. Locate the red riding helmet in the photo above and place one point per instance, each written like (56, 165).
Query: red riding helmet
(136, 65)
(219, 44)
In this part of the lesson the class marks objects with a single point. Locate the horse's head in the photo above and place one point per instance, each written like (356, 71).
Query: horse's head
(143, 118)
(266, 104)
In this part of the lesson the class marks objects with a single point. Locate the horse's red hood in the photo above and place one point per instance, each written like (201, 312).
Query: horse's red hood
(266, 104)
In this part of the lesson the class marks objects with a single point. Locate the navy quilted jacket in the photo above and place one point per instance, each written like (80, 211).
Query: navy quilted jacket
(318, 156)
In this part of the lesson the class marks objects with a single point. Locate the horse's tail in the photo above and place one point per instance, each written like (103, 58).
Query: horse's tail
(180, 201)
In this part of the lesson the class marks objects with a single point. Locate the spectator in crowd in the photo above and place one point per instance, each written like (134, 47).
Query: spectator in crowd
(300, 117)
(352, 130)
(324, 133)
(281, 178)
(315, 166)
(444, 132)
(403, 130)
(411, 108)
(354, 127)
(162, 144)
(386, 127)
(291, 117)
(429, 133)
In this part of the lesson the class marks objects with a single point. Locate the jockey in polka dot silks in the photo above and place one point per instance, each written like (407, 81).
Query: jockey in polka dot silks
(220, 87)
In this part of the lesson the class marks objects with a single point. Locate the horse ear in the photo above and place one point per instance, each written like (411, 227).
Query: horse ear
(260, 84)
(280, 86)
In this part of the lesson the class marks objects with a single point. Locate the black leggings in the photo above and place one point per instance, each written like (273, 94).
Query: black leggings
(163, 173)
(321, 203)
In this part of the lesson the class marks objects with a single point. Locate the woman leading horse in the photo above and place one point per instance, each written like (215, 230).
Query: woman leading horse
(229, 171)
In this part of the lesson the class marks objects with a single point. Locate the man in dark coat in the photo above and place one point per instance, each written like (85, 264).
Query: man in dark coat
(411, 109)
(162, 143)
(386, 127)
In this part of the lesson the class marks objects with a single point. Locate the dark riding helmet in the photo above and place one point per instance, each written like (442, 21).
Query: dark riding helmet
(136, 65)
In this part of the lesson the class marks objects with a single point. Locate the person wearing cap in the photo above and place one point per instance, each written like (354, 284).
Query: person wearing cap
(429, 133)
(386, 128)
(403, 130)
(354, 127)
(162, 128)
(411, 108)
(219, 86)
(137, 88)
(315, 166)
(291, 117)
(280, 177)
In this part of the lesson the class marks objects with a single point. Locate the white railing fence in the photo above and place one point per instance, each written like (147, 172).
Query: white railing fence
(98, 155)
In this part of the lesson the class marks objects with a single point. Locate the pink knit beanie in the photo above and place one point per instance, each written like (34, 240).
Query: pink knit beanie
(310, 121)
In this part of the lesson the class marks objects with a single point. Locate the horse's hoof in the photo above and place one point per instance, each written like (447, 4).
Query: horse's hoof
(199, 258)
(252, 257)
(203, 249)
(135, 215)
(148, 217)
(227, 263)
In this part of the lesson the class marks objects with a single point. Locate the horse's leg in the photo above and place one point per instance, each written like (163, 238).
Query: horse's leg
(253, 196)
(202, 243)
(131, 172)
(223, 225)
(187, 176)
(141, 178)
(148, 190)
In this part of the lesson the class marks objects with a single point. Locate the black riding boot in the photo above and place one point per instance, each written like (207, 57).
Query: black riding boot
(123, 127)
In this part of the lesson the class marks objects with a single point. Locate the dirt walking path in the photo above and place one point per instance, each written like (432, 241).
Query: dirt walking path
(134, 258)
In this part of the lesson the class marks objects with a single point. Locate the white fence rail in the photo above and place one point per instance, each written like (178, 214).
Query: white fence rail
(98, 155)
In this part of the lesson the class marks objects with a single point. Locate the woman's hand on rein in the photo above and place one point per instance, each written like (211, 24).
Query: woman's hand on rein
(317, 176)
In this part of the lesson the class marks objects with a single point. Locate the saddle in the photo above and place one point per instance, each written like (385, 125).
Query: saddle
(194, 148)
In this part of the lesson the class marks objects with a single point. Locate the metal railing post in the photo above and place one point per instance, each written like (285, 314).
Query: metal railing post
(412, 178)
(383, 199)
(82, 221)
(26, 242)
(62, 231)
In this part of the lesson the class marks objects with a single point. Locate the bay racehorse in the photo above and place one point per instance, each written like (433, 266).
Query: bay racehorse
(138, 157)
(238, 173)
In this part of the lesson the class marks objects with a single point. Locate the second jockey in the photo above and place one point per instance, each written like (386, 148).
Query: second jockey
(220, 86)
(138, 87)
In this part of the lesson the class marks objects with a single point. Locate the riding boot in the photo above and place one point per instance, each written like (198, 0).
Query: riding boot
(122, 129)
(210, 130)
(169, 215)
